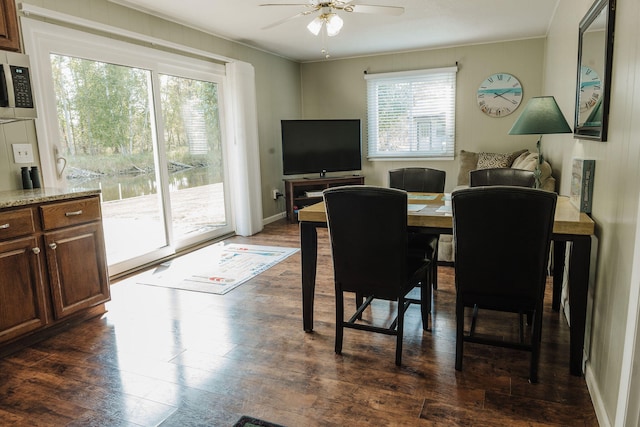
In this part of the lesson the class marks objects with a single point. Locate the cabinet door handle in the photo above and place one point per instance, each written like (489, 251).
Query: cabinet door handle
(36, 250)
(3, 226)
(53, 245)
(74, 213)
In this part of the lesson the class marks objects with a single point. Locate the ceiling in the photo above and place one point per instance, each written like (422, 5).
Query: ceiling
(425, 24)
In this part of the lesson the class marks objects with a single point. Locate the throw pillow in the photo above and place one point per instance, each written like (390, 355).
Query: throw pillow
(496, 160)
(528, 161)
(493, 160)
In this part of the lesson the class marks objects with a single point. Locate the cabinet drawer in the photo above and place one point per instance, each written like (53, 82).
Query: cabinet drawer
(16, 223)
(57, 215)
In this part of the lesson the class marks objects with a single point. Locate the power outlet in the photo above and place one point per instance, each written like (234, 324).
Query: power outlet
(22, 153)
(275, 194)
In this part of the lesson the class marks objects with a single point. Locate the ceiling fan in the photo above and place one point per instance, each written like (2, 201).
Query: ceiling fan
(327, 13)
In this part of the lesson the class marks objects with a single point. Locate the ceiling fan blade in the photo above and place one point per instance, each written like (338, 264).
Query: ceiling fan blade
(370, 8)
(282, 21)
(287, 4)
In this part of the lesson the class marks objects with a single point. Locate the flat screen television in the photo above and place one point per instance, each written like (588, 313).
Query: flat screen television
(320, 146)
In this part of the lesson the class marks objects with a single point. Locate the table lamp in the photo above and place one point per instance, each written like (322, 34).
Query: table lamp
(540, 116)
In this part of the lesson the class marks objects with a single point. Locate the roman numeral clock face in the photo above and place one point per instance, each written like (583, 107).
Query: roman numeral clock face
(499, 95)
(590, 88)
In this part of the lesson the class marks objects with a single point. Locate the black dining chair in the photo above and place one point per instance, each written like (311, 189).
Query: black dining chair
(368, 233)
(418, 180)
(502, 176)
(421, 180)
(502, 236)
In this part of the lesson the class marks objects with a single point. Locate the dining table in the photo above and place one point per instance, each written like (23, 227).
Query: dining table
(573, 232)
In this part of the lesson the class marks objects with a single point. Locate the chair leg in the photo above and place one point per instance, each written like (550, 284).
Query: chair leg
(339, 321)
(536, 338)
(529, 318)
(434, 267)
(359, 301)
(425, 304)
(521, 326)
(459, 333)
(400, 330)
(474, 319)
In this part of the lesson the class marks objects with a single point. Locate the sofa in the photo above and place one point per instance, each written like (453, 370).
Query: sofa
(469, 160)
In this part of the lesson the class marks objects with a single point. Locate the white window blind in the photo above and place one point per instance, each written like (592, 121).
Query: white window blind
(411, 114)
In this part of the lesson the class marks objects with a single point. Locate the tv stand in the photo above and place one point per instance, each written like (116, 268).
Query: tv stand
(295, 191)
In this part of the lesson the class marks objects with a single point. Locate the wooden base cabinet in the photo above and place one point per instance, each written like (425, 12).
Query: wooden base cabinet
(75, 260)
(51, 268)
(22, 292)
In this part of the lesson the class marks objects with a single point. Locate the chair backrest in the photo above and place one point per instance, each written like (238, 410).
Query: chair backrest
(502, 176)
(422, 180)
(368, 234)
(502, 236)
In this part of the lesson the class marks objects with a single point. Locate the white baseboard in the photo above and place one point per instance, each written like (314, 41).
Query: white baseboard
(274, 218)
(596, 398)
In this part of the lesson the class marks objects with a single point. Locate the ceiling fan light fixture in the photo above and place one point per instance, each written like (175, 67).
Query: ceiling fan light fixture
(334, 24)
(315, 26)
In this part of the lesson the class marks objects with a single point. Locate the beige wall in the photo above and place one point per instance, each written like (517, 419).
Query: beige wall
(615, 200)
(277, 80)
(20, 132)
(337, 89)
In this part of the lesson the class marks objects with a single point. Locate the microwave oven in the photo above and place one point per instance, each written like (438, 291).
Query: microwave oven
(16, 96)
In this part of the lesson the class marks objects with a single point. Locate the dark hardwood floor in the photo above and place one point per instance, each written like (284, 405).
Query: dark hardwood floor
(179, 358)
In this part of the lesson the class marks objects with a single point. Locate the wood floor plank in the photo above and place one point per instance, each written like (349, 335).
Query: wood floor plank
(179, 358)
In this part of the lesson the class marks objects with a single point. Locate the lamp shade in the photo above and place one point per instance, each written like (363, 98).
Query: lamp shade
(334, 24)
(540, 116)
(315, 26)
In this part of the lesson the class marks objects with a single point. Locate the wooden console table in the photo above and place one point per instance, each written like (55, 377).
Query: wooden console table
(295, 191)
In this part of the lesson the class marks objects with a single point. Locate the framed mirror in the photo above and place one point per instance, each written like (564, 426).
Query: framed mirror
(595, 58)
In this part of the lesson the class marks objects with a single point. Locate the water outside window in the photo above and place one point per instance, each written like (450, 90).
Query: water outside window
(114, 136)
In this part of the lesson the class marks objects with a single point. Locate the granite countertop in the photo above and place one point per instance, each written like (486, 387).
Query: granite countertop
(14, 198)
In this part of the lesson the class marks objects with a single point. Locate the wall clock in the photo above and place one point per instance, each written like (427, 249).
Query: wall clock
(590, 88)
(499, 95)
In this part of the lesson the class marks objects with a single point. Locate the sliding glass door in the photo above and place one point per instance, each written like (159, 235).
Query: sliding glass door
(152, 141)
(193, 147)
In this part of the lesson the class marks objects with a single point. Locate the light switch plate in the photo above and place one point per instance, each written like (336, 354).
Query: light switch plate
(22, 153)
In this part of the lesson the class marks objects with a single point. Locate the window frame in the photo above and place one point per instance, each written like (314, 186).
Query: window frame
(417, 116)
